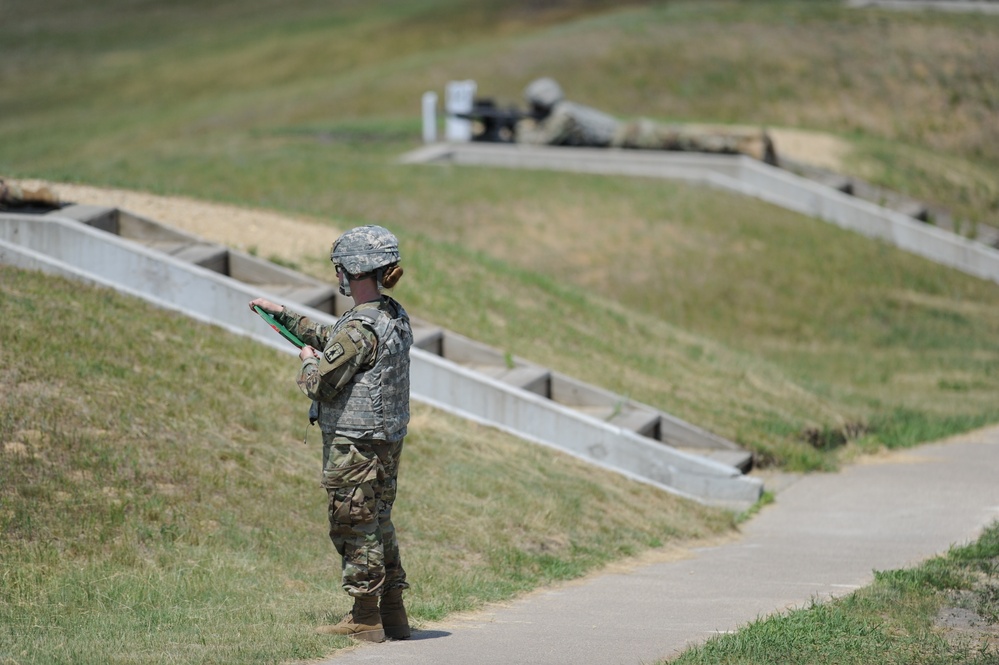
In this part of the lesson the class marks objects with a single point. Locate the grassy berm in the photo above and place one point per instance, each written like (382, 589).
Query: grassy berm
(157, 503)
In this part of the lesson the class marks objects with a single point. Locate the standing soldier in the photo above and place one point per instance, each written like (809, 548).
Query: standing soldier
(357, 373)
(553, 120)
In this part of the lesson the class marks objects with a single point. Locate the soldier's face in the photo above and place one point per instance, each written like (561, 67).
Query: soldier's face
(342, 280)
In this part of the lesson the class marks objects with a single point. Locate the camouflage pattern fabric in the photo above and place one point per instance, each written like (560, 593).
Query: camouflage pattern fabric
(368, 393)
(360, 478)
(569, 124)
(311, 332)
(375, 403)
(647, 135)
(364, 249)
(349, 348)
(364, 397)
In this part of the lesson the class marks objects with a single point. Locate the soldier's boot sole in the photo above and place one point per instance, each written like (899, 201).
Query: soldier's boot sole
(374, 635)
(398, 632)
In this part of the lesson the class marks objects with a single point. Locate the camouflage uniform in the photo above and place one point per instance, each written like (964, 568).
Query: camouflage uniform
(361, 385)
(555, 121)
(644, 134)
(569, 124)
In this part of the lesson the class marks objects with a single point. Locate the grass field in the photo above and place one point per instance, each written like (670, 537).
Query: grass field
(305, 110)
(804, 343)
(943, 611)
(158, 504)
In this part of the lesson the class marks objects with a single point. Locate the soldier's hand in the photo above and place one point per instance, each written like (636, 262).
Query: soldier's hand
(307, 352)
(266, 305)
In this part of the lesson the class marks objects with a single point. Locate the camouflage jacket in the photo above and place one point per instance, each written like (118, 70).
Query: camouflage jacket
(361, 382)
(569, 124)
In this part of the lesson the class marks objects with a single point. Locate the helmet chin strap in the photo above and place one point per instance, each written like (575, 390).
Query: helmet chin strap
(345, 281)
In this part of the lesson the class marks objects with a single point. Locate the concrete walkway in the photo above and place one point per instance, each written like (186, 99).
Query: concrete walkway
(824, 536)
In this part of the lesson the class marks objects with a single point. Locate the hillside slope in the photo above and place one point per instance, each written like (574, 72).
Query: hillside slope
(745, 319)
(158, 502)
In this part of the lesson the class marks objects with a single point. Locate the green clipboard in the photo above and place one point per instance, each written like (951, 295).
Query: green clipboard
(280, 329)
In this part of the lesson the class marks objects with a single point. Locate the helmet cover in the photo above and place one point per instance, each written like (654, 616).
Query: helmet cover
(365, 249)
(543, 92)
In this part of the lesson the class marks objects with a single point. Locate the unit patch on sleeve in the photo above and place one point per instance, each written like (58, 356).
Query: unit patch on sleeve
(333, 352)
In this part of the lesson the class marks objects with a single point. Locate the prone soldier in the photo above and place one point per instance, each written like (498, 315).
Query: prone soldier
(553, 120)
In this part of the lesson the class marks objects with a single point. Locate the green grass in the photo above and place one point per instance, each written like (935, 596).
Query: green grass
(741, 317)
(141, 459)
(158, 503)
(893, 621)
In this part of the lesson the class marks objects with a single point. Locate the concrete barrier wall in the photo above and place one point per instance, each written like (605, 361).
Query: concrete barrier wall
(681, 166)
(740, 174)
(189, 288)
(14, 254)
(597, 402)
(967, 6)
(292, 286)
(66, 247)
(486, 400)
(830, 205)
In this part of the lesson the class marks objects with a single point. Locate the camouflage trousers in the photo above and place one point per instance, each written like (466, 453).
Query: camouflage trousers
(359, 476)
(647, 135)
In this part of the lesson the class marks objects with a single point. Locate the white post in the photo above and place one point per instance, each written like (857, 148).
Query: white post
(430, 117)
(458, 98)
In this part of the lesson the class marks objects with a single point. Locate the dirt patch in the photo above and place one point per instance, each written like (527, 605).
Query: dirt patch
(15, 448)
(813, 148)
(964, 628)
(263, 232)
(800, 145)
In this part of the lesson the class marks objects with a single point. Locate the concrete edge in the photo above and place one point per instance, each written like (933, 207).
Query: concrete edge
(955, 6)
(219, 296)
(743, 175)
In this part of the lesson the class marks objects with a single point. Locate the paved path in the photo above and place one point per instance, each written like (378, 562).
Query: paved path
(825, 535)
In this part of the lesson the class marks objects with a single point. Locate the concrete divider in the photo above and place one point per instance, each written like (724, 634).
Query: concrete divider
(288, 284)
(490, 401)
(740, 174)
(830, 205)
(62, 245)
(568, 391)
(980, 6)
(291, 286)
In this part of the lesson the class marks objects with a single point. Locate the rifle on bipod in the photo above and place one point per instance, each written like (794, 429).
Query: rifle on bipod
(493, 123)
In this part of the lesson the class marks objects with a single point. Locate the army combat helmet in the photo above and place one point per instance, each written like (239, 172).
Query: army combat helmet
(543, 93)
(363, 250)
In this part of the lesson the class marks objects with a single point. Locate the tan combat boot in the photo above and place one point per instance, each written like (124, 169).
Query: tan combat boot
(363, 622)
(394, 619)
